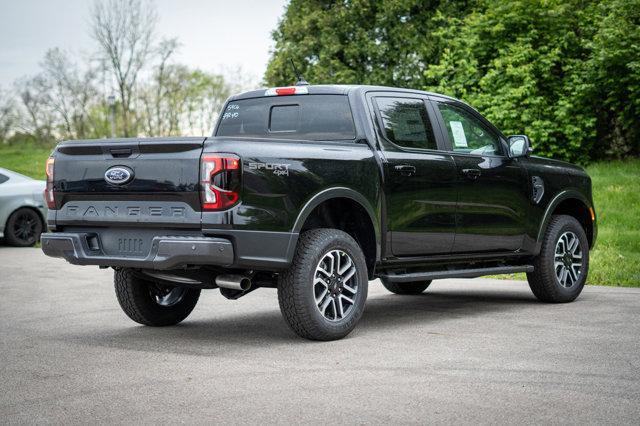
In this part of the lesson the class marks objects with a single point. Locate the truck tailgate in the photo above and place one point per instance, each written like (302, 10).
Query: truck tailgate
(162, 191)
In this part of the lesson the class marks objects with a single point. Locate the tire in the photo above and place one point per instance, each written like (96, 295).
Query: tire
(412, 288)
(23, 228)
(149, 303)
(548, 281)
(329, 308)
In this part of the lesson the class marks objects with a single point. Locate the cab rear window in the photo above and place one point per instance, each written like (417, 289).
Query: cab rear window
(301, 117)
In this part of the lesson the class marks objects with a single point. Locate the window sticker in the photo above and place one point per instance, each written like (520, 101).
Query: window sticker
(459, 138)
(233, 111)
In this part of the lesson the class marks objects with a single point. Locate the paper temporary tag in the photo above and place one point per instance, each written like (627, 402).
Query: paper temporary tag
(459, 138)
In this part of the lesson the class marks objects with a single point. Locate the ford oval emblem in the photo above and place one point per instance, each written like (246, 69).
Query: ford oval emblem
(118, 175)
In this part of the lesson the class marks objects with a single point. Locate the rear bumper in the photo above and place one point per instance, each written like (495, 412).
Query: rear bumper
(167, 252)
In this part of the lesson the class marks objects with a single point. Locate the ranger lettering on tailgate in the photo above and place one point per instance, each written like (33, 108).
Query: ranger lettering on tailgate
(115, 211)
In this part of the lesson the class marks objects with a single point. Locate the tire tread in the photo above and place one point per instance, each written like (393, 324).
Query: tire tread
(138, 305)
(291, 297)
(542, 280)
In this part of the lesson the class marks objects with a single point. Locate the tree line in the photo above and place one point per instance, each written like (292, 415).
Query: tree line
(129, 86)
(564, 72)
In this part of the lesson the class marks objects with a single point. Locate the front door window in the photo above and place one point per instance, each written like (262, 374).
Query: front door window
(468, 134)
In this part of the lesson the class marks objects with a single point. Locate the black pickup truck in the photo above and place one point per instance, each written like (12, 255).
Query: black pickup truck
(315, 190)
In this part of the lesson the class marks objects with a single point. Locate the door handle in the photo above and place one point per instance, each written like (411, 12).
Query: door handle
(405, 170)
(471, 174)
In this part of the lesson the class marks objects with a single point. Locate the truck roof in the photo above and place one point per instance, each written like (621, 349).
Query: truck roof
(336, 89)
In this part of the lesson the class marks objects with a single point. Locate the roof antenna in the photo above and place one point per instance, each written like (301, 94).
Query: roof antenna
(301, 81)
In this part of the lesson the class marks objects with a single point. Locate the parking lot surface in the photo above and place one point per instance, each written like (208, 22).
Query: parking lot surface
(466, 351)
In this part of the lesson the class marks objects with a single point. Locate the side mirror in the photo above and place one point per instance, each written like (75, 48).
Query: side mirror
(519, 146)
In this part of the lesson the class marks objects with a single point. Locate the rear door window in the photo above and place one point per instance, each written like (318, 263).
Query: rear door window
(405, 122)
(3, 178)
(302, 117)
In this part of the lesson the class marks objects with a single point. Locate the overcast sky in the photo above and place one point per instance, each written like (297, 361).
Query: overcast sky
(215, 34)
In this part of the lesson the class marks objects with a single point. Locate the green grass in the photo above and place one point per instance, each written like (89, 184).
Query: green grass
(27, 159)
(616, 191)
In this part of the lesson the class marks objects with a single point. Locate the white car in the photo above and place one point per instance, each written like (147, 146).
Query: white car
(22, 208)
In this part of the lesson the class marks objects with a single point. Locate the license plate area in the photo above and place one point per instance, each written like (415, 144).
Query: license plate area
(127, 242)
(127, 246)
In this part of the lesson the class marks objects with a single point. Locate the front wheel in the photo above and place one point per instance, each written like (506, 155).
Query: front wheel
(150, 303)
(322, 294)
(563, 263)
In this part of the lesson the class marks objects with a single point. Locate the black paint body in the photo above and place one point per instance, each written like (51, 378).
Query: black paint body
(435, 215)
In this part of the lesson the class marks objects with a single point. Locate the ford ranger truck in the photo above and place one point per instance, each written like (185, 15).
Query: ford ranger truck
(315, 191)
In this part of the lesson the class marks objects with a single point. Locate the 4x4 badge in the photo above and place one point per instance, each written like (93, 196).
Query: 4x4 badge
(280, 169)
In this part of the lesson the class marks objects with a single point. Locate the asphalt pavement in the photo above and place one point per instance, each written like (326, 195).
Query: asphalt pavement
(466, 351)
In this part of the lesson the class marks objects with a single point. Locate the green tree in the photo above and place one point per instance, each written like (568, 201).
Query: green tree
(178, 100)
(519, 63)
(8, 116)
(386, 42)
(612, 78)
(563, 72)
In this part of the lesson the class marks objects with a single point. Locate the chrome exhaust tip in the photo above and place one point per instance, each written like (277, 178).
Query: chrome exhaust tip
(234, 282)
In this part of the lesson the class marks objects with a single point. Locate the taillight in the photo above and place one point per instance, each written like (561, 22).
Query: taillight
(219, 181)
(49, 195)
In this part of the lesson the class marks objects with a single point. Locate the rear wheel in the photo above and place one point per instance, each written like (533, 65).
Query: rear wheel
(563, 263)
(23, 228)
(150, 303)
(322, 294)
(411, 288)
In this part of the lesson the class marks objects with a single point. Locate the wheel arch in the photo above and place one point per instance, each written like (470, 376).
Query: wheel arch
(571, 203)
(332, 208)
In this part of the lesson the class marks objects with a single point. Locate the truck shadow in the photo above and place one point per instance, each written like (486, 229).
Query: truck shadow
(434, 307)
(267, 329)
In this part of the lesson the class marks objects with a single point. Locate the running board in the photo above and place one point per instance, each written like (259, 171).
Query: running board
(460, 273)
